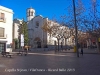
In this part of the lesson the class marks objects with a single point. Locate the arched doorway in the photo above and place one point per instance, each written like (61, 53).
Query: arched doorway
(37, 41)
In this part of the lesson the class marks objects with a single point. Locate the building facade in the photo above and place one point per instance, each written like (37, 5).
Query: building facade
(6, 22)
(16, 30)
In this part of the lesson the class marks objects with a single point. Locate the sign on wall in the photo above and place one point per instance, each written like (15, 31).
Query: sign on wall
(22, 40)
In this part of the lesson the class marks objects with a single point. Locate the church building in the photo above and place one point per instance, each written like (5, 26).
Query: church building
(38, 38)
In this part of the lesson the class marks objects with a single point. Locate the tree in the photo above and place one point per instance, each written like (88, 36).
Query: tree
(54, 29)
(92, 21)
(24, 31)
(57, 32)
(68, 20)
(16, 43)
(66, 34)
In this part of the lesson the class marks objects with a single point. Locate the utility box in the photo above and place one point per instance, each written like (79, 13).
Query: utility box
(74, 48)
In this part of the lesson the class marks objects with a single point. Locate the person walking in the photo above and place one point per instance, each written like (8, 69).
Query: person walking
(61, 46)
(26, 50)
(82, 50)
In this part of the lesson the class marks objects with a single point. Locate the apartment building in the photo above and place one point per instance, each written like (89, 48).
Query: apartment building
(6, 22)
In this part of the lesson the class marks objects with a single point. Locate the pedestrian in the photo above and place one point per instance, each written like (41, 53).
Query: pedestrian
(26, 50)
(82, 50)
(61, 46)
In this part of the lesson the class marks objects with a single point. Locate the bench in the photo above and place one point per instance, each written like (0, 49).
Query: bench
(6, 54)
(3, 53)
(20, 52)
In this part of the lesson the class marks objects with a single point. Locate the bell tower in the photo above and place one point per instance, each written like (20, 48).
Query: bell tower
(30, 14)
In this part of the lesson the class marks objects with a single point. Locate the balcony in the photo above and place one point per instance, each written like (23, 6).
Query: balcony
(3, 37)
(2, 20)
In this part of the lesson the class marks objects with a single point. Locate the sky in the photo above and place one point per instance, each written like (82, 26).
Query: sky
(46, 8)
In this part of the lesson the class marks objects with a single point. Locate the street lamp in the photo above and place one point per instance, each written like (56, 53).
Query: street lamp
(76, 38)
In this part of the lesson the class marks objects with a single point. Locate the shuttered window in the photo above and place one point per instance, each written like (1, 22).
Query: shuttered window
(2, 32)
(2, 15)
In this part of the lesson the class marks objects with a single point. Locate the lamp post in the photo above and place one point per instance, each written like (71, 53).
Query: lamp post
(76, 39)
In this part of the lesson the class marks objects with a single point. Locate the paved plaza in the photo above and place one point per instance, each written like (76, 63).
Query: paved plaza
(50, 63)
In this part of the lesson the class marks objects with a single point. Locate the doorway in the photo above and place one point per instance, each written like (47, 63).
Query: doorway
(37, 41)
(38, 44)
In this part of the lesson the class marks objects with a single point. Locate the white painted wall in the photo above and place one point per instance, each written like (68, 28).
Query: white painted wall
(34, 32)
(16, 25)
(7, 25)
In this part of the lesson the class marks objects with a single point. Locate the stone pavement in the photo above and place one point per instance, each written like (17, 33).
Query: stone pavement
(50, 63)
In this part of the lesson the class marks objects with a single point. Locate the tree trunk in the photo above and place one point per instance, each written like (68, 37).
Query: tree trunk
(58, 44)
(65, 44)
(55, 46)
(62, 45)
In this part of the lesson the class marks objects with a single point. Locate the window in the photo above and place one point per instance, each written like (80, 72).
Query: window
(2, 17)
(2, 45)
(9, 46)
(37, 24)
(1, 32)
(31, 13)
